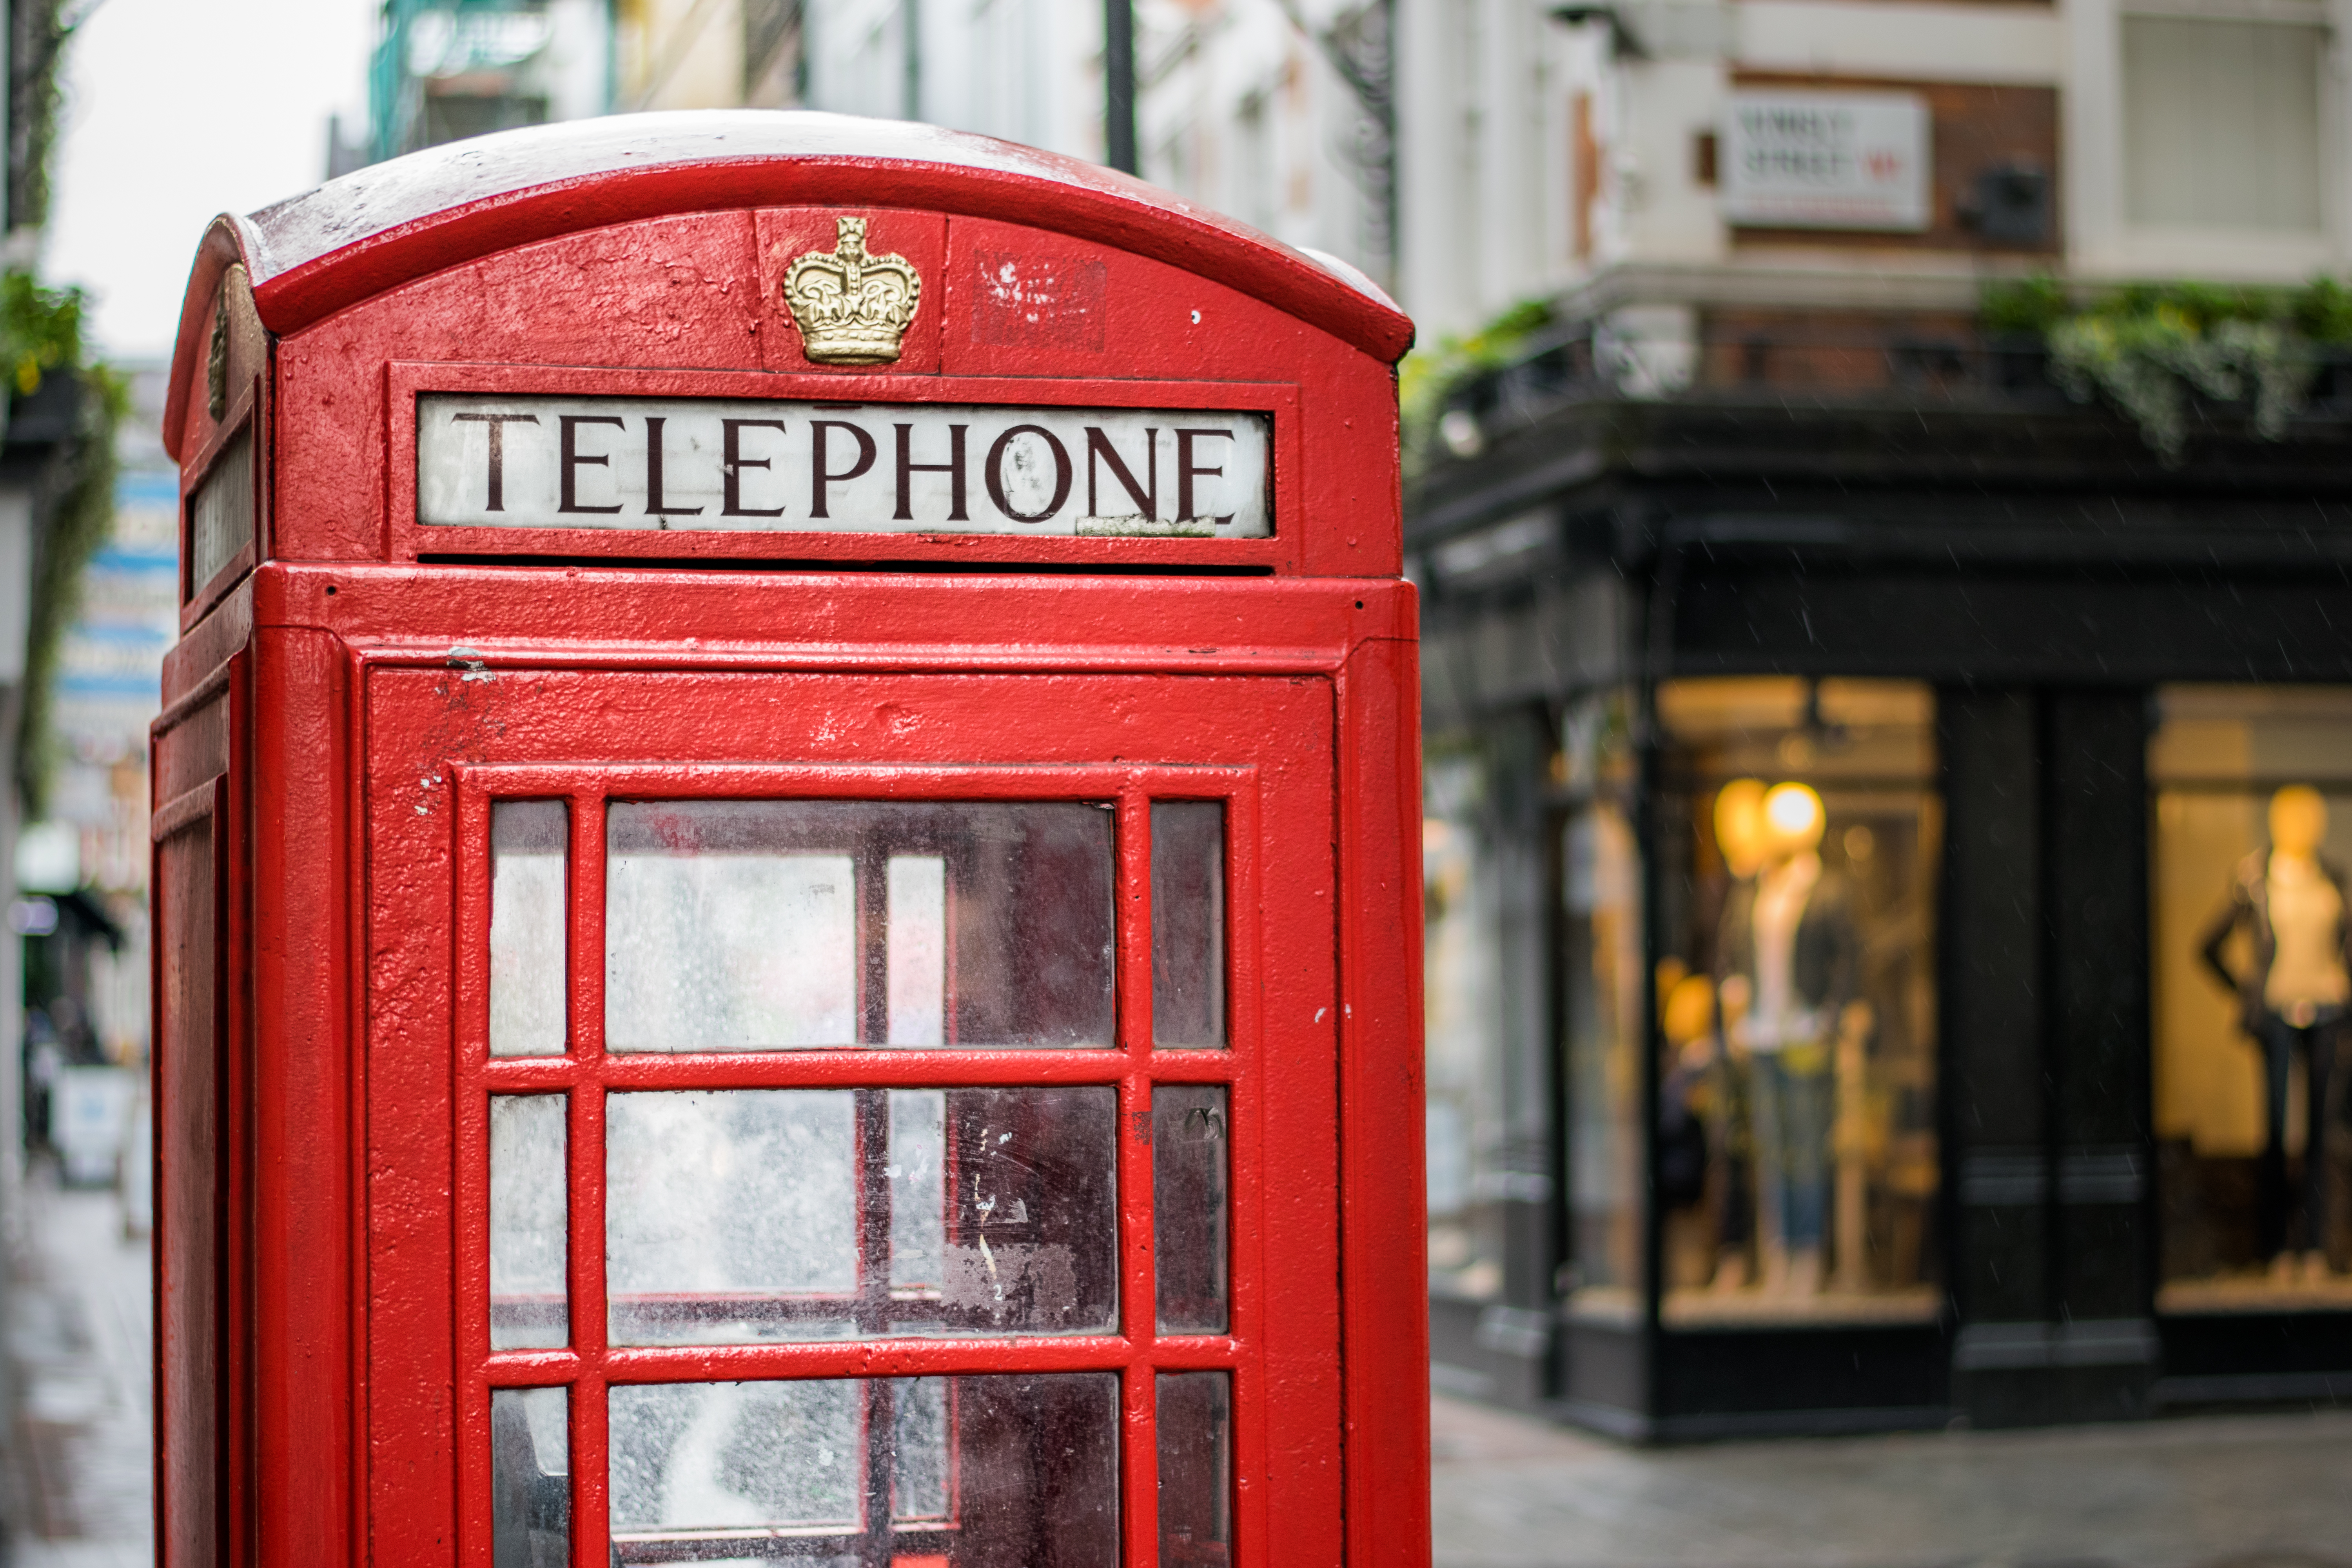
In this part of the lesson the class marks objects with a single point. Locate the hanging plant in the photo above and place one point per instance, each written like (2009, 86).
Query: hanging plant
(2147, 350)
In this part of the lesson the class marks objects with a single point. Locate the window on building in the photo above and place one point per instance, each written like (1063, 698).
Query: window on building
(2253, 835)
(2221, 123)
(1604, 1018)
(1463, 1034)
(1797, 836)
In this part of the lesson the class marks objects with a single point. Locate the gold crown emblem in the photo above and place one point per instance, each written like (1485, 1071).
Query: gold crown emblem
(851, 308)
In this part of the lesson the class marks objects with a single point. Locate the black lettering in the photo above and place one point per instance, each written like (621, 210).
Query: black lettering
(818, 476)
(732, 462)
(952, 467)
(570, 460)
(497, 423)
(995, 474)
(653, 502)
(1186, 469)
(1147, 498)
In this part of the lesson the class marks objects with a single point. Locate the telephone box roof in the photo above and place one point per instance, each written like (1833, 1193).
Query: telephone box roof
(351, 238)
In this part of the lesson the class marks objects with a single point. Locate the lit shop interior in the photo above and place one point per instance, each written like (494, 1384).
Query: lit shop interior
(1887, 942)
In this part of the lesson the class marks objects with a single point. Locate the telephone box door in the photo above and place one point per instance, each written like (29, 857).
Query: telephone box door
(887, 1119)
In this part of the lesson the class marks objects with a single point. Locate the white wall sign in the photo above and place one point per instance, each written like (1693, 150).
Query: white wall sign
(929, 468)
(1827, 160)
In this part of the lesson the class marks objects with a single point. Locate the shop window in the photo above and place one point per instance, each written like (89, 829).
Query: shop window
(2221, 123)
(1602, 1015)
(2252, 839)
(1797, 832)
(1463, 1011)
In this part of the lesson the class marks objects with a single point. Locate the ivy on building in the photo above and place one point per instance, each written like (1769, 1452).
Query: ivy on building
(42, 344)
(2148, 348)
(1429, 375)
(41, 339)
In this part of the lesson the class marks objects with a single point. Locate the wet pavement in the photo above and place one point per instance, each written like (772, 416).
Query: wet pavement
(80, 1381)
(2225, 1491)
(2235, 1491)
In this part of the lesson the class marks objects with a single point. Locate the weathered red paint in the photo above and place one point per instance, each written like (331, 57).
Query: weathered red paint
(325, 763)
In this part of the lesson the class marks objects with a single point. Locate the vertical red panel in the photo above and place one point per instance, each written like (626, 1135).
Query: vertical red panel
(188, 1240)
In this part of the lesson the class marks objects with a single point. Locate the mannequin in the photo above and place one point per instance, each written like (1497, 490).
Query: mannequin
(1740, 836)
(1790, 970)
(2293, 999)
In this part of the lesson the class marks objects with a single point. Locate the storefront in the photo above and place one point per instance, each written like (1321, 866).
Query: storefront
(1886, 856)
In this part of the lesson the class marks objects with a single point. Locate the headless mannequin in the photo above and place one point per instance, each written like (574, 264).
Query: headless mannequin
(1739, 835)
(2294, 997)
(1791, 973)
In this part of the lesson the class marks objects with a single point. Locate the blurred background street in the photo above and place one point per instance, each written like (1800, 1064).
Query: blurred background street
(1878, 476)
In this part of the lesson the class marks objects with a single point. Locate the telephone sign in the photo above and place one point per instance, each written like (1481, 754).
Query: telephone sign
(786, 875)
(662, 463)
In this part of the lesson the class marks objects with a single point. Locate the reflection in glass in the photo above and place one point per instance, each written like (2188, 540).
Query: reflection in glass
(1461, 1014)
(1602, 889)
(1196, 1468)
(741, 925)
(1190, 1204)
(708, 1457)
(1188, 922)
(1796, 1161)
(732, 1215)
(2254, 831)
(527, 844)
(919, 950)
(1015, 1468)
(530, 1478)
(529, 1183)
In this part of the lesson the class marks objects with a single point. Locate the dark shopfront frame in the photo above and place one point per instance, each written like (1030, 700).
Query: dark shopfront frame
(2036, 564)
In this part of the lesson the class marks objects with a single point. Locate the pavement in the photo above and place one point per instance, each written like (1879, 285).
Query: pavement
(2234, 1491)
(2223, 1491)
(75, 1322)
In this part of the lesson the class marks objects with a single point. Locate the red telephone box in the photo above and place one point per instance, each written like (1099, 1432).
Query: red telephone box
(786, 881)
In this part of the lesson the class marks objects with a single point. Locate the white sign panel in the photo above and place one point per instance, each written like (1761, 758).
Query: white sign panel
(704, 463)
(1827, 160)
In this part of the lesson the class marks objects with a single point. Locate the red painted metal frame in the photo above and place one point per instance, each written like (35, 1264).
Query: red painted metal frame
(318, 695)
(584, 1072)
(408, 539)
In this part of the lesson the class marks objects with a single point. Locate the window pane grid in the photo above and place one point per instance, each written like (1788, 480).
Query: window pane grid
(898, 1047)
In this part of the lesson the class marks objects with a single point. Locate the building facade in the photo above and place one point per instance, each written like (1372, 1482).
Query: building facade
(1887, 721)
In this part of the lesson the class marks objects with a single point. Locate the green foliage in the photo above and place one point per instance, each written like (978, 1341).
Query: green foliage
(1429, 375)
(2146, 348)
(82, 517)
(40, 328)
(41, 336)
(40, 31)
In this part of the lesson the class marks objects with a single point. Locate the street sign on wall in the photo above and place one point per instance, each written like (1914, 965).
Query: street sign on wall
(1827, 160)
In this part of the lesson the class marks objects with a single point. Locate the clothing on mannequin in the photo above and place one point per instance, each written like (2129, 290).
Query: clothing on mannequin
(1740, 836)
(2293, 999)
(1790, 965)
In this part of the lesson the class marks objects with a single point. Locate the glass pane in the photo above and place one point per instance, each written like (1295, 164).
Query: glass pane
(528, 843)
(1196, 1469)
(979, 1470)
(529, 1214)
(709, 1456)
(745, 925)
(733, 1215)
(1188, 922)
(1190, 1205)
(530, 1478)
(918, 1188)
(919, 950)
(1030, 1205)
(2252, 834)
(1462, 1117)
(1797, 1166)
(730, 1215)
